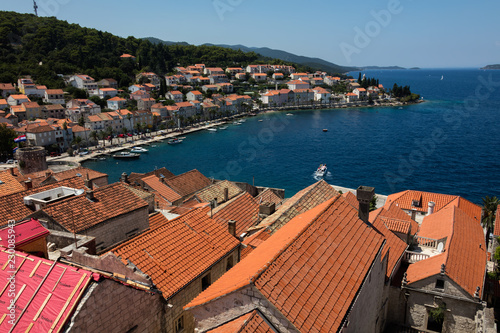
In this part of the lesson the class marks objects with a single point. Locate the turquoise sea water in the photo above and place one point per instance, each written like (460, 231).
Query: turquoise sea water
(448, 144)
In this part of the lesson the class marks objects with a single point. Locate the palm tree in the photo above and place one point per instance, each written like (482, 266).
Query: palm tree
(94, 136)
(490, 205)
(77, 141)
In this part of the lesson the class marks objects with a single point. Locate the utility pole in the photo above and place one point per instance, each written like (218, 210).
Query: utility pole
(35, 7)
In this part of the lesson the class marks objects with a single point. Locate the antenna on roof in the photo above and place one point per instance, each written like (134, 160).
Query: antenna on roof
(35, 7)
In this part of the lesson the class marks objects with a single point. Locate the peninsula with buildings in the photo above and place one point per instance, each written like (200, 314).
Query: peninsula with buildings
(165, 252)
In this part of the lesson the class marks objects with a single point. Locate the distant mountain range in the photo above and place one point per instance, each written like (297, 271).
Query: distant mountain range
(383, 67)
(277, 54)
(496, 66)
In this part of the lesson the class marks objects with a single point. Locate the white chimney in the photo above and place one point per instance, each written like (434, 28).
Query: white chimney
(431, 205)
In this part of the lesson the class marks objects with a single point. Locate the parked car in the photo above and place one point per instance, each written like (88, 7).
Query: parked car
(121, 135)
(54, 154)
(129, 134)
(10, 162)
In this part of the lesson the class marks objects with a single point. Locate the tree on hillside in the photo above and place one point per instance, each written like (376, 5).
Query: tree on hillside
(7, 136)
(490, 205)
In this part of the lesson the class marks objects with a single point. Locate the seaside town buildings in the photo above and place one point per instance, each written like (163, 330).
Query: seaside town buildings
(195, 254)
(193, 94)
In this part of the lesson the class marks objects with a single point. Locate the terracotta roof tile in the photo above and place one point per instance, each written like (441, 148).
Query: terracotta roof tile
(157, 220)
(9, 184)
(496, 230)
(82, 171)
(252, 242)
(464, 253)
(304, 200)
(268, 195)
(243, 209)
(404, 200)
(315, 264)
(394, 247)
(216, 191)
(12, 206)
(162, 173)
(77, 214)
(161, 189)
(188, 182)
(156, 252)
(351, 199)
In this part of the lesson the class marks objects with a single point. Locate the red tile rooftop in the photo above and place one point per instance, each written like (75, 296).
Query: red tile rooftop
(188, 182)
(161, 189)
(156, 252)
(78, 213)
(290, 267)
(243, 209)
(464, 253)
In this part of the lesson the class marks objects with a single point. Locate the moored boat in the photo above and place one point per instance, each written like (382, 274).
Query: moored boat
(126, 155)
(174, 141)
(211, 129)
(138, 150)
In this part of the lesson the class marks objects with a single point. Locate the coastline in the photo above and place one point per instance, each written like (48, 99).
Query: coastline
(65, 162)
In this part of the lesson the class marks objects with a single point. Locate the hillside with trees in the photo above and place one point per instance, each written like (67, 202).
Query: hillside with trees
(46, 48)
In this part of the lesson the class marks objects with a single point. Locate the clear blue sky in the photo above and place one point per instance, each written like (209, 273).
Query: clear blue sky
(422, 33)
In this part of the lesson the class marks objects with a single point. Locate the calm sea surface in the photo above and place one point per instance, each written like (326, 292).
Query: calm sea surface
(450, 144)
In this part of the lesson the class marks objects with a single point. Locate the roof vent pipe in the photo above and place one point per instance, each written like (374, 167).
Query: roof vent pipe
(430, 208)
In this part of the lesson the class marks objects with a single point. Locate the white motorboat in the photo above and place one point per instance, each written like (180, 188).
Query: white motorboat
(138, 150)
(211, 129)
(174, 141)
(222, 127)
(126, 155)
(321, 171)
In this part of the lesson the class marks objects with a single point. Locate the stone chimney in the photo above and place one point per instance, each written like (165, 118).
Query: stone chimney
(430, 208)
(124, 178)
(364, 194)
(12, 171)
(90, 195)
(267, 208)
(28, 185)
(87, 182)
(231, 227)
(226, 194)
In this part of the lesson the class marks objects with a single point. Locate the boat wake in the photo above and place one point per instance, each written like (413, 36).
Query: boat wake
(327, 176)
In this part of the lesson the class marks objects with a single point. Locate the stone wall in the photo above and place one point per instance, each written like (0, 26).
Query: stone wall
(460, 313)
(109, 306)
(235, 304)
(119, 228)
(396, 307)
(186, 295)
(368, 312)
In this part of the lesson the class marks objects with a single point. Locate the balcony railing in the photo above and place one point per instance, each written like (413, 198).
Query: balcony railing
(413, 257)
(424, 241)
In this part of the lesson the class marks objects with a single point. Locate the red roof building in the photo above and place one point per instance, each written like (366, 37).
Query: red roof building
(312, 275)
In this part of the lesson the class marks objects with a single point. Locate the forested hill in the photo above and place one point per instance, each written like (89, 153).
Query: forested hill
(44, 47)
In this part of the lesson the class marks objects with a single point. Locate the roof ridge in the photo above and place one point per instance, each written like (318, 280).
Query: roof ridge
(292, 240)
(451, 237)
